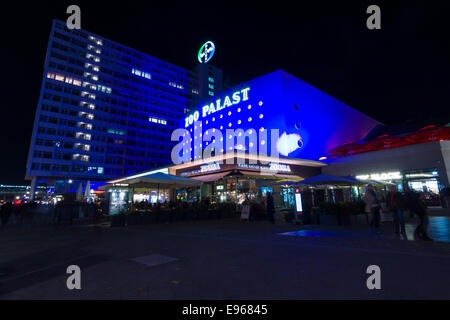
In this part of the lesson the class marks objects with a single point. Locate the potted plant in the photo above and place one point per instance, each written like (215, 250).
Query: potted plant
(328, 213)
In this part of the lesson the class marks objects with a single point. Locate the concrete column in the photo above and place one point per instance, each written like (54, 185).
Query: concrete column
(33, 189)
(444, 171)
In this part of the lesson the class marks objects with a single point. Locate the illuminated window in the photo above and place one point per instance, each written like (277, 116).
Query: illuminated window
(156, 120)
(175, 85)
(211, 86)
(141, 73)
(59, 77)
(211, 93)
(104, 89)
(211, 79)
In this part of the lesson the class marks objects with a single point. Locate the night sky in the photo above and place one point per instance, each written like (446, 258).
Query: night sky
(398, 73)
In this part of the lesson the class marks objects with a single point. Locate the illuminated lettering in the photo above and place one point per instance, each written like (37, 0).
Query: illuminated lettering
(205, 110)
(218, 107)
(236, 98)
(245, 94)
(381, 176)
(228, 101)
(212, 109)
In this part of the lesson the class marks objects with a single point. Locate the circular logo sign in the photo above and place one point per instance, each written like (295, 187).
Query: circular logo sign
(206, 52)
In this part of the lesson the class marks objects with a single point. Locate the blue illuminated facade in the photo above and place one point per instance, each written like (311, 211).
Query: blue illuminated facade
(309, 121)
(106, 110)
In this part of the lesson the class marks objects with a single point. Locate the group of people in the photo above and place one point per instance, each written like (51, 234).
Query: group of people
(23, 212)
(397, 203)
(146, 205)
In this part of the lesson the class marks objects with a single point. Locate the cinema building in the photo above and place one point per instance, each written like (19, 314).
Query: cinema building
(106, 110)
(279, 128)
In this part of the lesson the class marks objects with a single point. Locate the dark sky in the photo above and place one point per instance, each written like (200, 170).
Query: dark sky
(397, 73)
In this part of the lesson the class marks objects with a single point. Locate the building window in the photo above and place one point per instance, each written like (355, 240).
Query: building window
(141, 73)
(156, 120)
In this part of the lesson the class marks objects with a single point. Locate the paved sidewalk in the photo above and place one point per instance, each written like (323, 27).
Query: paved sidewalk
(220, 259)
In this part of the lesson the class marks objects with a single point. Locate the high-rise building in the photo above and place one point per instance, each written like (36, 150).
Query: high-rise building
(210, 81)
(106, 110)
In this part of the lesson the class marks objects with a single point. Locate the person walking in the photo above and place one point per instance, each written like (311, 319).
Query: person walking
(5, 213)
(396, 204)
(417, 206)
(270, 206)
(373, 207)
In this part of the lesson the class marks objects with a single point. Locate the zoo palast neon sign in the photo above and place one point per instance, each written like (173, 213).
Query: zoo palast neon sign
(229, 100)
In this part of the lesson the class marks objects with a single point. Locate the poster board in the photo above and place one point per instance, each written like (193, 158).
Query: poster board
(245, 212)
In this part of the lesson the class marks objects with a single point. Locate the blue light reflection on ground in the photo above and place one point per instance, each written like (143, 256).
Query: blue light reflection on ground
(320, 233)
(438, 230)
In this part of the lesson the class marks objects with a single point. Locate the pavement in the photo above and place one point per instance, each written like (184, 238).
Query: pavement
(223, 259)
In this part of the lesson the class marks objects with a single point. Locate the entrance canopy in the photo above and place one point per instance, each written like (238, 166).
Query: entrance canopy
(157, 179)
(325, 179)
(211, 177)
